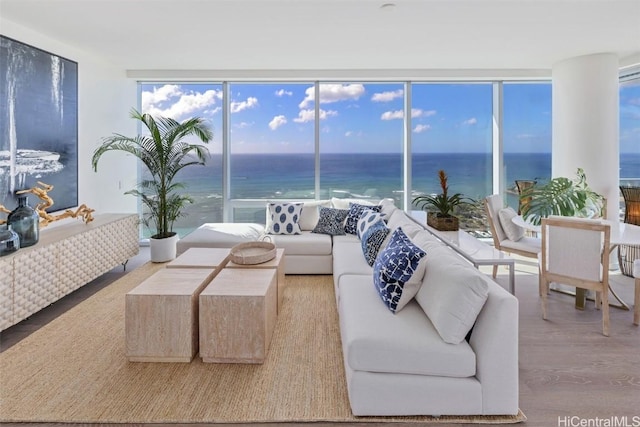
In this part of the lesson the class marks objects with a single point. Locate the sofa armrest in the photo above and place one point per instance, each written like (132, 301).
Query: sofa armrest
(495, 342)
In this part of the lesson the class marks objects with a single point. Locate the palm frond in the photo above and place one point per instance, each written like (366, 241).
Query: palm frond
(164, 153)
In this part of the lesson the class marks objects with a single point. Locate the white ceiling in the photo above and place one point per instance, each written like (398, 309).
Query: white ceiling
(336, 34)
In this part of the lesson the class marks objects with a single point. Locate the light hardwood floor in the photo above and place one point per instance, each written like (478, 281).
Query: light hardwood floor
(567, 367)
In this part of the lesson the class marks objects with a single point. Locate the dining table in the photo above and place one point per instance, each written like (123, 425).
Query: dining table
(621, 234)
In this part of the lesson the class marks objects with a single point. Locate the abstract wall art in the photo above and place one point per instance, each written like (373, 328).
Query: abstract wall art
(38, 123)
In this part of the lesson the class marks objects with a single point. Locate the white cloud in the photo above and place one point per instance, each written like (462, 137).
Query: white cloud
(251, 102)
(242, 125)
(348, 133)
(391, 115)
(332, 93)
(309, 115)
(283, 92)
(471, 121)
(421, 128)
(399, 114)
(277, 122)
(387, 96)
(183, 105)
(525, 136)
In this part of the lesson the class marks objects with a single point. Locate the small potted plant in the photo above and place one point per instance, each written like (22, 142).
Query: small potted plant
(441, 208)
(564, 197)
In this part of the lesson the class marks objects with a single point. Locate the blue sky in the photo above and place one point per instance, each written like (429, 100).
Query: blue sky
(367, 117)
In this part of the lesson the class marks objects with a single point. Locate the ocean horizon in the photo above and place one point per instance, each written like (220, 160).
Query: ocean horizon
(374, 176)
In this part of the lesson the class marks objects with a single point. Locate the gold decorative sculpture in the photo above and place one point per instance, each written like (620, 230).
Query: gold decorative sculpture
(5, 210)
(41, 191)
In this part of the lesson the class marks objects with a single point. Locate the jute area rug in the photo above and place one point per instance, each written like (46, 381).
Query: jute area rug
(74, 370)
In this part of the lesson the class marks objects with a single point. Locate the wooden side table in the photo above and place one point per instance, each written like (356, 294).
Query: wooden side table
(238, 316)
(161, 315)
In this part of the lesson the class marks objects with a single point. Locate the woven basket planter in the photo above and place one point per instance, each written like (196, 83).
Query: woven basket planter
(442, 223)
(626, 255)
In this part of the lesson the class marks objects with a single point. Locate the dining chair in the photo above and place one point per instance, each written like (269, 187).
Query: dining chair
(628, 253)
(575, 252)
(517, 243)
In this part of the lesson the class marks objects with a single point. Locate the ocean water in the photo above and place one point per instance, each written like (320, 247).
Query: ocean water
(289, 176)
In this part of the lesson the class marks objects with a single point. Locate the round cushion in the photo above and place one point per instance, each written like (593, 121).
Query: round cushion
(636, 269)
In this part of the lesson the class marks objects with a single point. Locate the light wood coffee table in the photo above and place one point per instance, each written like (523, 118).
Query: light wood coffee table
(238, 316)
(216, 258)
(201, 258)
(276, 263)
(161, 315)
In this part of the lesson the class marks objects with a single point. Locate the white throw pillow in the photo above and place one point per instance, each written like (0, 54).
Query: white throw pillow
(284, 218)
(514, 232)
(452, 295)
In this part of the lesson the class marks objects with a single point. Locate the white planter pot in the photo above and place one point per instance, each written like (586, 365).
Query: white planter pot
(163, 250)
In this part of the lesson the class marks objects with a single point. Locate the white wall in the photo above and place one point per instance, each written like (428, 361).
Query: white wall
(105, 96)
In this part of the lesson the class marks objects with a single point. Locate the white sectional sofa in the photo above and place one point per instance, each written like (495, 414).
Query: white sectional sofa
(451, 350)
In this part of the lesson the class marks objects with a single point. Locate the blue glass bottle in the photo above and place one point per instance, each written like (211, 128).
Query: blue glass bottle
(24, 220)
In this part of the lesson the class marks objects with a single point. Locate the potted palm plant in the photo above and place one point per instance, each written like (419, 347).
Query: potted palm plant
(164, 153)
(441, 208)
(562, 196)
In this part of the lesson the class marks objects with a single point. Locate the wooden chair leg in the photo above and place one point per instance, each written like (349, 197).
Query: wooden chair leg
(544, 288)
(636, 303)
(598, 300)
(605, 311)
(495, 271)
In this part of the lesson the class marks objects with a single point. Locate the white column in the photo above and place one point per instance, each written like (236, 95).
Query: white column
(586, 123)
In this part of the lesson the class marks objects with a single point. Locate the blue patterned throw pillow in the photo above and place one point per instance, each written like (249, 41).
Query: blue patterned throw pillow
(398, 271)
(367, 219)
(331, 221)
(355, 211)
(372, 240)
(284, 218)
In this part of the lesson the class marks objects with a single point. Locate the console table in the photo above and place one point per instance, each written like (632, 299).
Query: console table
(66, 257)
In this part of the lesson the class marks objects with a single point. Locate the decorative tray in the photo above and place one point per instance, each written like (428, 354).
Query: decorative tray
(253, 253)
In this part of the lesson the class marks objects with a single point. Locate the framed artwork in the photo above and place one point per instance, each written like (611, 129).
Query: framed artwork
(38, 124)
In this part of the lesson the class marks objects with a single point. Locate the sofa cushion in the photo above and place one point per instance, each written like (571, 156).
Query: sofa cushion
(452, 294)
(513, 231)
(220, 235)
(355, 211)
(367, 219)
(376, 340)
(398, 271)
(305, 243)
(399, 218)
(372, 240)
(310, 213)
(331, 221)
(284, 218)
(346, 203)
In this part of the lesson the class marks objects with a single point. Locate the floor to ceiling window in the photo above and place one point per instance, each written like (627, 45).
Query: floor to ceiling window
(451, 129)
(316, 140)
(271, 145)
(630, 132)
(203, 184)
(361, 139)
(526, 135)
